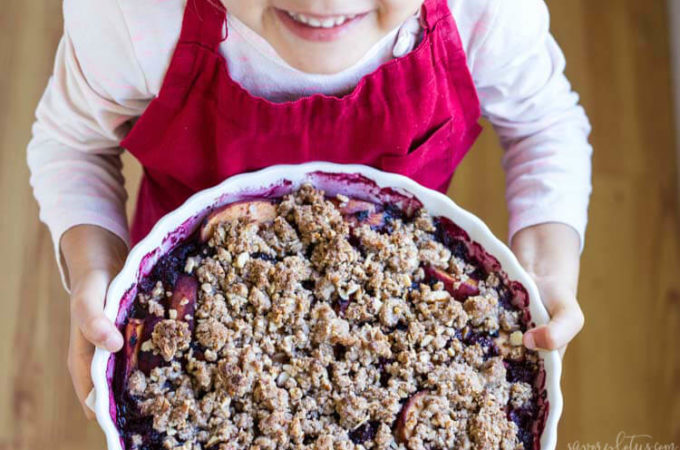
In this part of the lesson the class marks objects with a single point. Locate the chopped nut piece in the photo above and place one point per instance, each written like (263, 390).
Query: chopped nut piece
(147, 346)
(191, 264)
(516, 338)
(242, 259)
(137, 383)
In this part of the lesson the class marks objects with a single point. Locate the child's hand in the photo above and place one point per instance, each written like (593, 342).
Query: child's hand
(93, 256)
(550, 253)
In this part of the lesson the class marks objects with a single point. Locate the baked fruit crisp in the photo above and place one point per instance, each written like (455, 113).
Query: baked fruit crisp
(309, 322)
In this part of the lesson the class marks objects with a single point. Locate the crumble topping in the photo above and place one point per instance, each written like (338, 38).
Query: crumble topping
(323, 329)
(170, 337)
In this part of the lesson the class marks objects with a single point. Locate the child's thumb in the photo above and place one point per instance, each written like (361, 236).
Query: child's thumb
(87, 312)
(101, 332)
(564, 325)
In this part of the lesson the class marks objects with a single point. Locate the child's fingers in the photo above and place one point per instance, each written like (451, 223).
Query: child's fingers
(88, 314)
(566, 322)
(96, 327)
(79, 359)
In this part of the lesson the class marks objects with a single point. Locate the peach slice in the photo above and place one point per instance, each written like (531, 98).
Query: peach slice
(360, 212)
(147, 360)
(260, 211)
(374, 220)
(353, 206)
(467, 288)
(150, 361)
(443, 276)
(133, 342)
(184, 298)
(408, 417)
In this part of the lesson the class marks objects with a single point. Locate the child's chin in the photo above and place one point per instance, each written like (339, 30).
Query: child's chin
(323, 57)
(322, 63)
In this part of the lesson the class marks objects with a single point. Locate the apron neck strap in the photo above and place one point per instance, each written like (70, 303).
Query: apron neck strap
(433, 11)
(204, 23)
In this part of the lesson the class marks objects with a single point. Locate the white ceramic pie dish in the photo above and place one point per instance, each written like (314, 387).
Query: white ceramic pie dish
(356, 180)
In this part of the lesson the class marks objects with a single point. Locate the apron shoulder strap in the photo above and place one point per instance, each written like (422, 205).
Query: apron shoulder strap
(433, 11)
(204, 23)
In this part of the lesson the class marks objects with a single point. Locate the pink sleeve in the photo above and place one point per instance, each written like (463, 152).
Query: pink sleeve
(518, 69)
(74, 157)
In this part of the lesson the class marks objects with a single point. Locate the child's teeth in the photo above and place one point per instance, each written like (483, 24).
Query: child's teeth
(297, 17)
(329, 22)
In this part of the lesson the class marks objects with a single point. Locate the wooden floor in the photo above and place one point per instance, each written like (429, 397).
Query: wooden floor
(623, 372)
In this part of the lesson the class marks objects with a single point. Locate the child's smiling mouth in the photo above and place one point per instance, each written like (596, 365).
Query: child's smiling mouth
(316, 27)
(321, 22)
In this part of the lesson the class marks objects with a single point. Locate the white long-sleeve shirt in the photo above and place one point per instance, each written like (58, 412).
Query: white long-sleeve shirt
(114, 54)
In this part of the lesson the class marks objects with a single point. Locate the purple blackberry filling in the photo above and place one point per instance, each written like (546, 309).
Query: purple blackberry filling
(304, 321)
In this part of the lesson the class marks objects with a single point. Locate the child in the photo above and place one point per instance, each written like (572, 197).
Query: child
(199, 91)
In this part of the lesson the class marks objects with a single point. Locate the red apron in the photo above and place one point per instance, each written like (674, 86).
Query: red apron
(416, 115)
